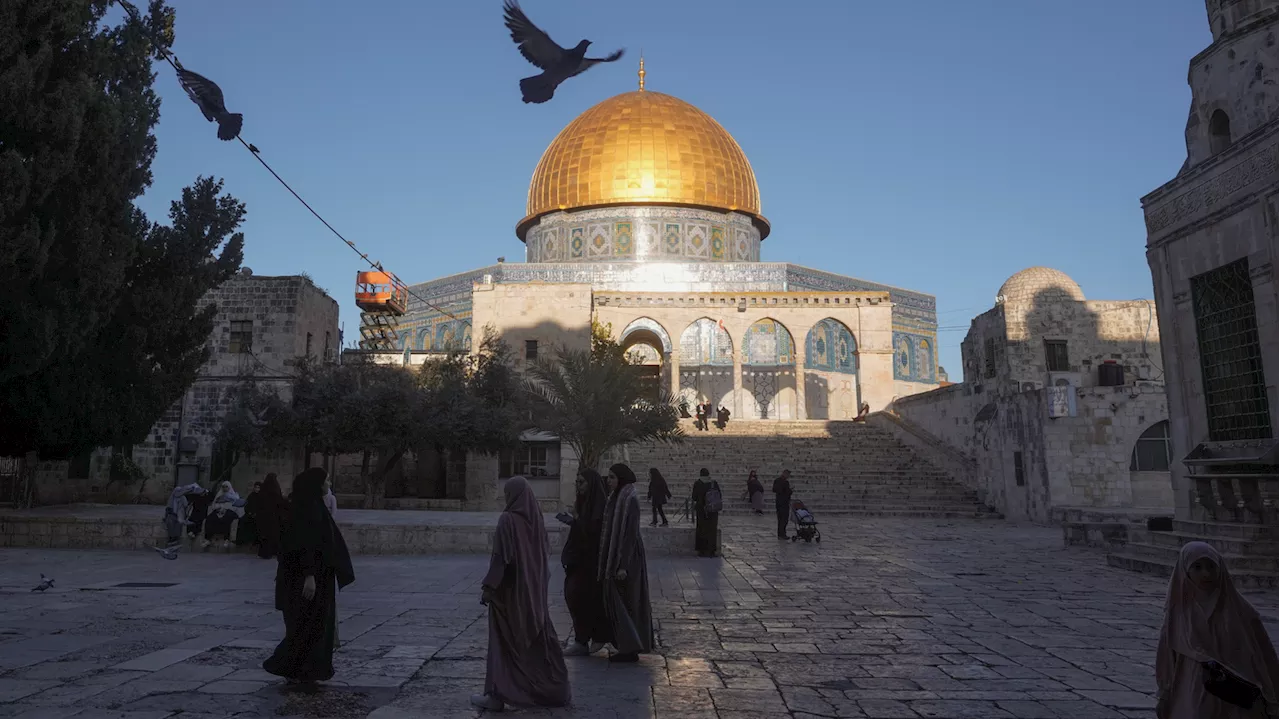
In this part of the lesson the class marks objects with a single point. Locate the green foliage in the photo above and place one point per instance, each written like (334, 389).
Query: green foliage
(100, 330)
(125, 471)
(594, 400)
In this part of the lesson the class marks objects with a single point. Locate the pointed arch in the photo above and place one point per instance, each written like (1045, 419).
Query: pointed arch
(768, 342)
(637, 330)
(424, 338)
(831, 347)
(704, 342)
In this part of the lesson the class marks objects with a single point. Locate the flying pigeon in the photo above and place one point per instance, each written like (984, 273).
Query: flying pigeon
(206, 94)
(44, 584)
(167, 552)
(557, 64)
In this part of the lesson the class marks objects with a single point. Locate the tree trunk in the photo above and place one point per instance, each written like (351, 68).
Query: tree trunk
(366, 480)
(380, 477)
(442, 472)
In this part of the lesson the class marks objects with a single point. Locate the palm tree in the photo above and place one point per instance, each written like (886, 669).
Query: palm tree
(594, 401)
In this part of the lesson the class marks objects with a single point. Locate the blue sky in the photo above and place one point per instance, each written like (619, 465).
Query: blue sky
(939, 146)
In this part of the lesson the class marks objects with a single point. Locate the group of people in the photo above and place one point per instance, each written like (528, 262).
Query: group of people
(702, 416)
(223, 517)
(606, 588)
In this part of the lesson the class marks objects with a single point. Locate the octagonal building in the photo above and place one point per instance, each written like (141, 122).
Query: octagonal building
(644, 215)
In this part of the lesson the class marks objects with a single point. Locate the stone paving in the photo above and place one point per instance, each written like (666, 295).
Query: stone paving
(885, 618)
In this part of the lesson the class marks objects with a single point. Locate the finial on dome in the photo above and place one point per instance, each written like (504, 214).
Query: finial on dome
(641, 73)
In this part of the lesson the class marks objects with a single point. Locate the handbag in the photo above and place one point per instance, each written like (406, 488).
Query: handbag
(1229, 686)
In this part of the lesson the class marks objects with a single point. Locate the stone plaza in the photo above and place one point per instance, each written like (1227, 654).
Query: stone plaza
(887, 617)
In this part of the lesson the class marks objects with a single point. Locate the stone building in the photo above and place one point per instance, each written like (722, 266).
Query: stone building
(644, 214)
(1062, 405)
(263, 325)
(1211, 244)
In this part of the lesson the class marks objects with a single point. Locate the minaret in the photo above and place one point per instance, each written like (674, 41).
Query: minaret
(641, 73)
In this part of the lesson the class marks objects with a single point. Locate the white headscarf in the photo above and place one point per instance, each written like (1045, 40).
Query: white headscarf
(226, 494)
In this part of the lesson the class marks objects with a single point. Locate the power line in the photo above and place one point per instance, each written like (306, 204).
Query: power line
(171, 58)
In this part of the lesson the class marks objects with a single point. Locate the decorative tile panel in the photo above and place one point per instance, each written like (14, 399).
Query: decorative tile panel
(705, 342)
(767, 344)
(830, 347)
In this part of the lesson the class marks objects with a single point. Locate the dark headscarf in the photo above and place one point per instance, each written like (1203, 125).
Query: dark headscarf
(658, 490)
(271, 489)
(624, 474)
(521, 544)
(311, 528)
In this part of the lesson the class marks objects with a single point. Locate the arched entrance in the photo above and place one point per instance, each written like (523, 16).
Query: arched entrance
(706, 364)
(831, 371)
(648, 349)
(768, 372)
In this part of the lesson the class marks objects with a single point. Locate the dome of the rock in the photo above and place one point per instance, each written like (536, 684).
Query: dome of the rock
(1039, 283)
(643, 148)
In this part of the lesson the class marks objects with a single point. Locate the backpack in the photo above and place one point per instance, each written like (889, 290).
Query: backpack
(714, 501)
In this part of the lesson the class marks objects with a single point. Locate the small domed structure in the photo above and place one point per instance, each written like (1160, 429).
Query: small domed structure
(1039, 283)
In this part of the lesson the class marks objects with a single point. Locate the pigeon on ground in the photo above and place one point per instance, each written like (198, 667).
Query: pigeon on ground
(206, 94)
(557, 64)
(167, 552)
(45, 583)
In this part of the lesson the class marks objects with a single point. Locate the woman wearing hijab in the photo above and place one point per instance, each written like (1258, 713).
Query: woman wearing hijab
(659, 493)
(247, 529)
(1207, 620)
(272, 511)
(755, 493)
(580, 558)
(524, 667)
(622, 569)
(707, 529)
(314, 564)
(175, 512)
(222, 515)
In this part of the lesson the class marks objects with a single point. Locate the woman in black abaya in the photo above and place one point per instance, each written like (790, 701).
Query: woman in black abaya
(314, 563)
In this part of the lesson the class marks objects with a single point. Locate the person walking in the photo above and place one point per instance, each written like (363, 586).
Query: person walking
(314, 563)
(658, 495)
(755, 492)
(273, 510)
(524, 666)
(580, 557)
(706, 500)
(623, 571)
(1206, 620)
(782, 501)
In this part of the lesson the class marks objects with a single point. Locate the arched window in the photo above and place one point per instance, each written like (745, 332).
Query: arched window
(1151, 451)
(1219, 131)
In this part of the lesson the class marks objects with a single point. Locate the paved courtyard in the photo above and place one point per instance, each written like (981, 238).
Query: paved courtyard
(885, 618)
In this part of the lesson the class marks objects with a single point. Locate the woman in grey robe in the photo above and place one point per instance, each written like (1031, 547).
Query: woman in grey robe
(524, 667)
(623, 572)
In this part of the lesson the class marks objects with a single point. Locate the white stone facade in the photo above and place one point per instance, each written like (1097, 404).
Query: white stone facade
(1211, 246)
(1046, 424)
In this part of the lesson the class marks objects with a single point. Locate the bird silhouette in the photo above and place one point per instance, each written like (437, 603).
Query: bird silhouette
(557, 63)
(206, 94)
(45, 583)
(167, 552)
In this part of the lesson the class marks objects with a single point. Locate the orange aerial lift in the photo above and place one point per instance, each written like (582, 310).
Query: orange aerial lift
(383, 299)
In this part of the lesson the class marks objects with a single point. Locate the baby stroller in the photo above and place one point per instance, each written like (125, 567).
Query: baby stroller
(806, 523)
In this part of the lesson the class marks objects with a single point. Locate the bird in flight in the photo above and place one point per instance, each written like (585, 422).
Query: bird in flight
(556, 63)
(206, 94)
(45, 583)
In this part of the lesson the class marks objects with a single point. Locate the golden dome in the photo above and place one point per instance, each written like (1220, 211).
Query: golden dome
(643, 148)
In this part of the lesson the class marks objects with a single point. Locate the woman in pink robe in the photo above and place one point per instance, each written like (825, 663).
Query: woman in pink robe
(525, 667)
(1206, 619)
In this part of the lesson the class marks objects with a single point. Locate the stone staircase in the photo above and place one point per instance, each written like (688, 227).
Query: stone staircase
(837, 468)
(1250, 550)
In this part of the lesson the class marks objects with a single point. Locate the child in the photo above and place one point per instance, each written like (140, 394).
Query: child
(1206, 619)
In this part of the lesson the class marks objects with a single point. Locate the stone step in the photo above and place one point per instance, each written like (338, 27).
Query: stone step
(1176, 540)
(1134, 562)
(1235, 562)
(1228, 530)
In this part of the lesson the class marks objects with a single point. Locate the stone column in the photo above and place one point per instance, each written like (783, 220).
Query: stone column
(736, 409)
(802, 409)
(673, 361)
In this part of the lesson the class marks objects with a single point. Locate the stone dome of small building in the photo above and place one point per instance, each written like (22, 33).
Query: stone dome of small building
(1039, 283)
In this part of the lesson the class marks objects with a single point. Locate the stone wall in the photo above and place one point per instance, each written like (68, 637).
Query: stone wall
(282, 311)
(1074, 461)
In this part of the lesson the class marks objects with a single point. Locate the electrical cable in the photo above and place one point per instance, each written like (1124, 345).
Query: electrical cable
(177, 66)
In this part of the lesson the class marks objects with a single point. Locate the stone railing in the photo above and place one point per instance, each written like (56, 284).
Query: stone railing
(951, 460)
(1235, 497)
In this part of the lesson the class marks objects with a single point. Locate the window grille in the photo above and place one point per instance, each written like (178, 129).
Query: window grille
(241, 341)
(1055, 356)
(1151, 451)
(529, 460)
(1231, 366)
(531, 350)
